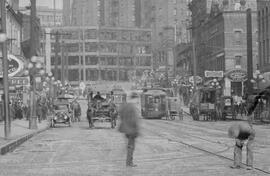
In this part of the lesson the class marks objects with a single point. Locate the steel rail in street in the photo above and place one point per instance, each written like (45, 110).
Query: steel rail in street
(178, 140)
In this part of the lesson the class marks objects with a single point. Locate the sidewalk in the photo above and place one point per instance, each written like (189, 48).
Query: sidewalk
(19, 134)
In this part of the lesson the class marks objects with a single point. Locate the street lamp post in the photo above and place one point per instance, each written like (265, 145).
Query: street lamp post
(257, 78)
(215, 84)
(34, 70)
(3, 39)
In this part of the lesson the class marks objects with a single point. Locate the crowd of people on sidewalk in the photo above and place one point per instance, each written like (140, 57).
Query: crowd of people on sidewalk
(21, 110)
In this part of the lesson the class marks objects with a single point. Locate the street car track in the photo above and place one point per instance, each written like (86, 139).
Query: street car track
(218, 154)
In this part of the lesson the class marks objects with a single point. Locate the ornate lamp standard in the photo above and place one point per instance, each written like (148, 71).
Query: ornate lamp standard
(257, 78)
(215, 84)
(50, 80)
(35, 72)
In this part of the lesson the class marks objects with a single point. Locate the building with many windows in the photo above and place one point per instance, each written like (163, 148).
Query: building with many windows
(119, 13)
(102, 53)
(169, 21)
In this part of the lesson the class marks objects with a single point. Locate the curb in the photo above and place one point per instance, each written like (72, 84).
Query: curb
(12, 145)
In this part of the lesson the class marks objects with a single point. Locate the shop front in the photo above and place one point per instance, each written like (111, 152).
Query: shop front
(234, 82)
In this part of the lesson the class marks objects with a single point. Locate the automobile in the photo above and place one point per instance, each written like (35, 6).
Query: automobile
(61, 113)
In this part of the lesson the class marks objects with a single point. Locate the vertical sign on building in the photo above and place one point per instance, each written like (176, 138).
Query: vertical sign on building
(48, 50)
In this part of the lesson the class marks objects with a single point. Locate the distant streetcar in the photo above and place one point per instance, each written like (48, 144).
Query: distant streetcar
(153, 103)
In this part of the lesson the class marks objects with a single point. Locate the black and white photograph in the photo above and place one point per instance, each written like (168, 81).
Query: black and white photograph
(134, 87)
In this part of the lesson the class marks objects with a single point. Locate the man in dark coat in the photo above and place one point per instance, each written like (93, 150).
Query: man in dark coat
(129, 116)
(89, 115)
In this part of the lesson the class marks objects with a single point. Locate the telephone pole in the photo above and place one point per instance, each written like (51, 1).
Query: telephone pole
(5, 71)
(249, 52)
(56, 58)
(33, 38)
(57, 47)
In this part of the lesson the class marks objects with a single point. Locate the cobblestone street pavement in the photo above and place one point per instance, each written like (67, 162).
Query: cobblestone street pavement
(162, 149)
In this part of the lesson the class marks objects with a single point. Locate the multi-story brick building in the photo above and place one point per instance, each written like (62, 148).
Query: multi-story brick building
(220, 34)
(104, 53)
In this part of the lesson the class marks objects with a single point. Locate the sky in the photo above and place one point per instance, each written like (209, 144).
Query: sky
(49, 3)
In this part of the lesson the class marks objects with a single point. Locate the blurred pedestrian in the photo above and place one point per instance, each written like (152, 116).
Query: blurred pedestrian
(242, 132)
(129, 116)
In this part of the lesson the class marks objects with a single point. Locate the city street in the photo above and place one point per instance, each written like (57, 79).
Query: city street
(163, 148)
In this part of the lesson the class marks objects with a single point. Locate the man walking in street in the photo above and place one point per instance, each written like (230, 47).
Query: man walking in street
(129, 116)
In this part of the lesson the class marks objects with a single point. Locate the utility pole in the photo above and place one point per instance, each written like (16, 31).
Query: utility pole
(63, 63)
(33, 116)
(249, 52)
(57, 47)
(56, 58)
(5, 72)
(194, 64)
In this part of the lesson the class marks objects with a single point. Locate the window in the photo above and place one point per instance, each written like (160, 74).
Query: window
(238, 60)
(91, 60)
(237, 37)
(73, 75)
(73, 60)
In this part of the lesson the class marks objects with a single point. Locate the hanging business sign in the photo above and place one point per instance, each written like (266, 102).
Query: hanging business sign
(213, 74)
(237, 75)
(19, 81)
(15, 65)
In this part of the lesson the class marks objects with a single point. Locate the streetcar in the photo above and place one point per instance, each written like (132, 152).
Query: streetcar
(119, 96)
(153, 103)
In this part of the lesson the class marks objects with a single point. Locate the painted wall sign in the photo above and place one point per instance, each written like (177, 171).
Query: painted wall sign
(237, 75)
(15, 65)
(213, 74)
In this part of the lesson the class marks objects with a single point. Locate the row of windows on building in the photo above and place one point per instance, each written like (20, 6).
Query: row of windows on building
(122, 35)
(95, 75)
(109, 61)
(50, 18)
(107, 48)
